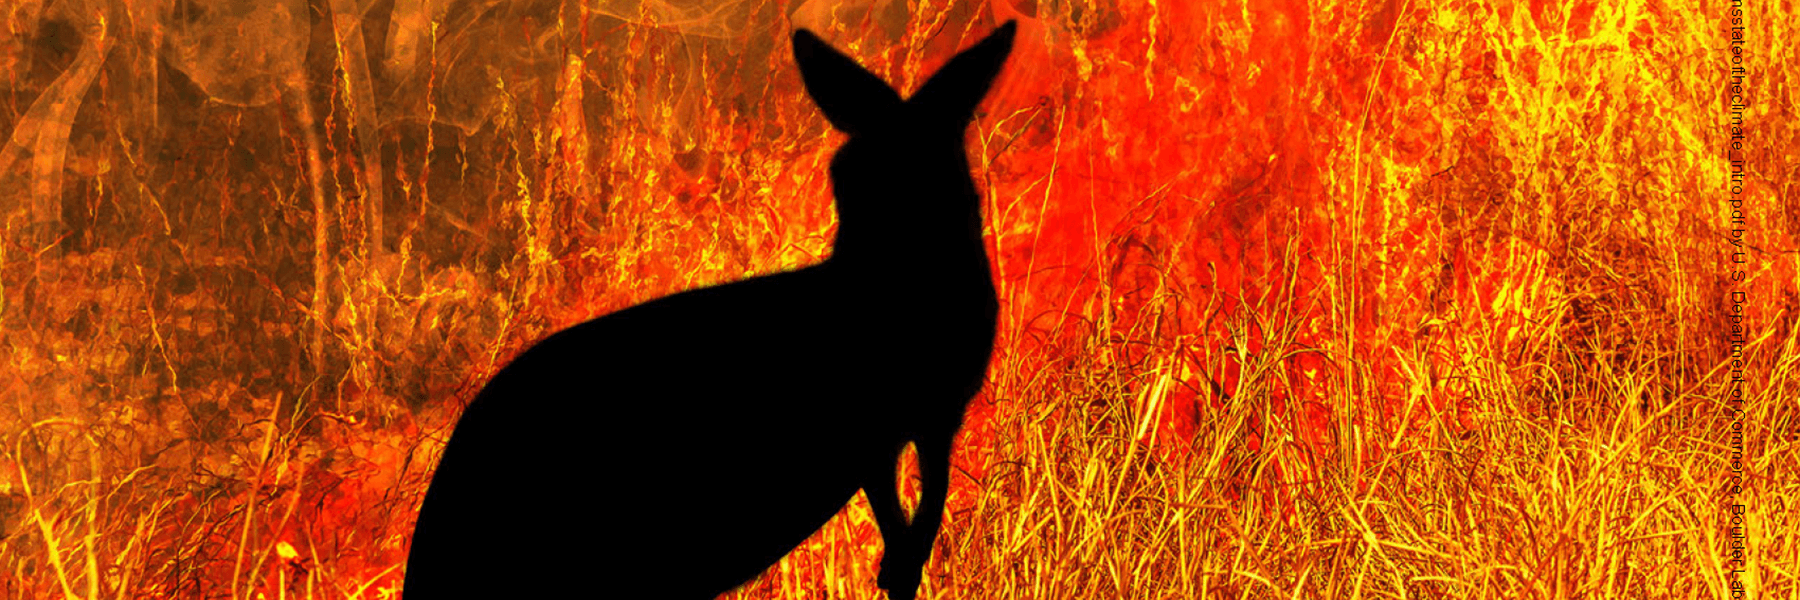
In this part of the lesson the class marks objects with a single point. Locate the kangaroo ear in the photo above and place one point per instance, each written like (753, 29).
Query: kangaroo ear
(852, 98)
(956, 89)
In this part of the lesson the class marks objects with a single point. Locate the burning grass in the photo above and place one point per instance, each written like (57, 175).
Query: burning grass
(1335, 300)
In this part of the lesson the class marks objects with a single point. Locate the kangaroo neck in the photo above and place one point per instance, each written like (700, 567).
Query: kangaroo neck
(896, 274)
(932, 240)
(960, 256)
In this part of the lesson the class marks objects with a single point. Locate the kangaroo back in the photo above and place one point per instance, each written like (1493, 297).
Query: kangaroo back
(690, 442)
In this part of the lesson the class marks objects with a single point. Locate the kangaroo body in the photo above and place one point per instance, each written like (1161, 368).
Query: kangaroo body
(690, 442)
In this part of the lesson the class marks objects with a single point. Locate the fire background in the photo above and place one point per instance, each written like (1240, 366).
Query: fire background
(1358, 299)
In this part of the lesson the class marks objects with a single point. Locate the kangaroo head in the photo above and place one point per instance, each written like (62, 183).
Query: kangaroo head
(902, 180)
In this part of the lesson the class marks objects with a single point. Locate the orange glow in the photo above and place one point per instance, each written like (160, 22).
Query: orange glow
(1299, 299)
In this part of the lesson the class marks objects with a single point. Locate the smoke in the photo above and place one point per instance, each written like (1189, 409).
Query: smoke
(210, 43)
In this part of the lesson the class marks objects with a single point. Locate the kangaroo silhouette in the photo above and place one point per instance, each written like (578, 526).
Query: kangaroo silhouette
(688, 443)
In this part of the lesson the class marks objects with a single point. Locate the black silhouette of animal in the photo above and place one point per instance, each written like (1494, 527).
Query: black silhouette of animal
(678, 448)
